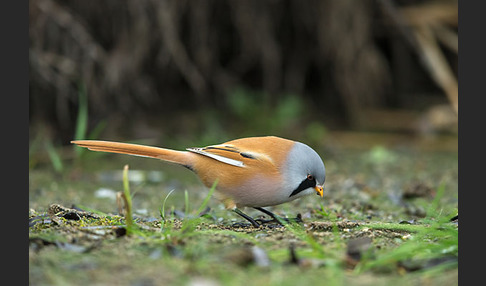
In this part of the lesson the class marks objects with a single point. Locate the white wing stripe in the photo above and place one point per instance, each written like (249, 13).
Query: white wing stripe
(217, 157)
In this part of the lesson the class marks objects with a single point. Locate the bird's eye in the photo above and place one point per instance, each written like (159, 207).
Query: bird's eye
(310, 177)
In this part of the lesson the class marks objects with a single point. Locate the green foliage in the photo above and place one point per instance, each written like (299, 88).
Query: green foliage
(128, 200)
(82, 119)
(54, 157)
(330, 216)
(434, 237)
(315, 132)
(380, 156)
(81, 131)
(180, 250)
(425, 242)
(434, 211)
(186, 202)
(189, 223)
(208, 197)
(261, 116)
(42, 137)
(53, 153)
(162, 209)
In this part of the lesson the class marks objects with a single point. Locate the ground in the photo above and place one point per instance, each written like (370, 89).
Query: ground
(388, 216)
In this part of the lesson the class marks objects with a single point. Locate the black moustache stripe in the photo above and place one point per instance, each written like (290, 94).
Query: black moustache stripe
(303, 186)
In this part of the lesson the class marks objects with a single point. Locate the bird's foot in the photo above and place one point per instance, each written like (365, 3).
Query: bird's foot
(257, 223)
(243, 225)
(281, 220)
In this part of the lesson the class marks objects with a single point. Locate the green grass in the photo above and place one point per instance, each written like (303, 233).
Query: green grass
(82, 119)
(162, 209)
(128, 202)
(190, 248)
(54, 157)
(425, 242)
(81, 131)
(433, 237)
(179, 250)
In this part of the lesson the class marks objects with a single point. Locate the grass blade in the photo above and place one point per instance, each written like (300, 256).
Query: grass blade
(54, 157)
(186, 203)
(206, 200)
(162, 209)
(82, 119)
(128, 200)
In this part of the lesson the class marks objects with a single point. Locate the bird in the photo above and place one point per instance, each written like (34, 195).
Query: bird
(253, 172)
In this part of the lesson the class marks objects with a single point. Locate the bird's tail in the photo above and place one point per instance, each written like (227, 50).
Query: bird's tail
(179, 157)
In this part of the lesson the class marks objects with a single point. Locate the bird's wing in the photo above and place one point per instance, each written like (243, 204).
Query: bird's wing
(228, 154)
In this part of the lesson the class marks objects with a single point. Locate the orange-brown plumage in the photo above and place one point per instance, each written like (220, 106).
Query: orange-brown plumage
(266, 157)
(178, 157)
(254, 172)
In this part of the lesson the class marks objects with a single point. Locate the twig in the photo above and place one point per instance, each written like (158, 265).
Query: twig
(437, 64)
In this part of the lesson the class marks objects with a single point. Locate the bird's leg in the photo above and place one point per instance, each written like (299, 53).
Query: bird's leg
(272, 215)
(248, 218)
(278, 218)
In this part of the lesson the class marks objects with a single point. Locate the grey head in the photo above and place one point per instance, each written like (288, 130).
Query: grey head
(304, 171)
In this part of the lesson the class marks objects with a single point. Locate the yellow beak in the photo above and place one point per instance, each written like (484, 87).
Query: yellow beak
(319, 190)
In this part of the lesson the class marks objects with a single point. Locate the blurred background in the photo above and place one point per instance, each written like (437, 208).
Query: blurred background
(371, 85)
(336, 73)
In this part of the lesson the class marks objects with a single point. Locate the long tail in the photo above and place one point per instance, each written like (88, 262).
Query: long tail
(179, 157)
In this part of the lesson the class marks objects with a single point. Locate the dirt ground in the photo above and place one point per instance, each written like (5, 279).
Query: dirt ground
(387, 216)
